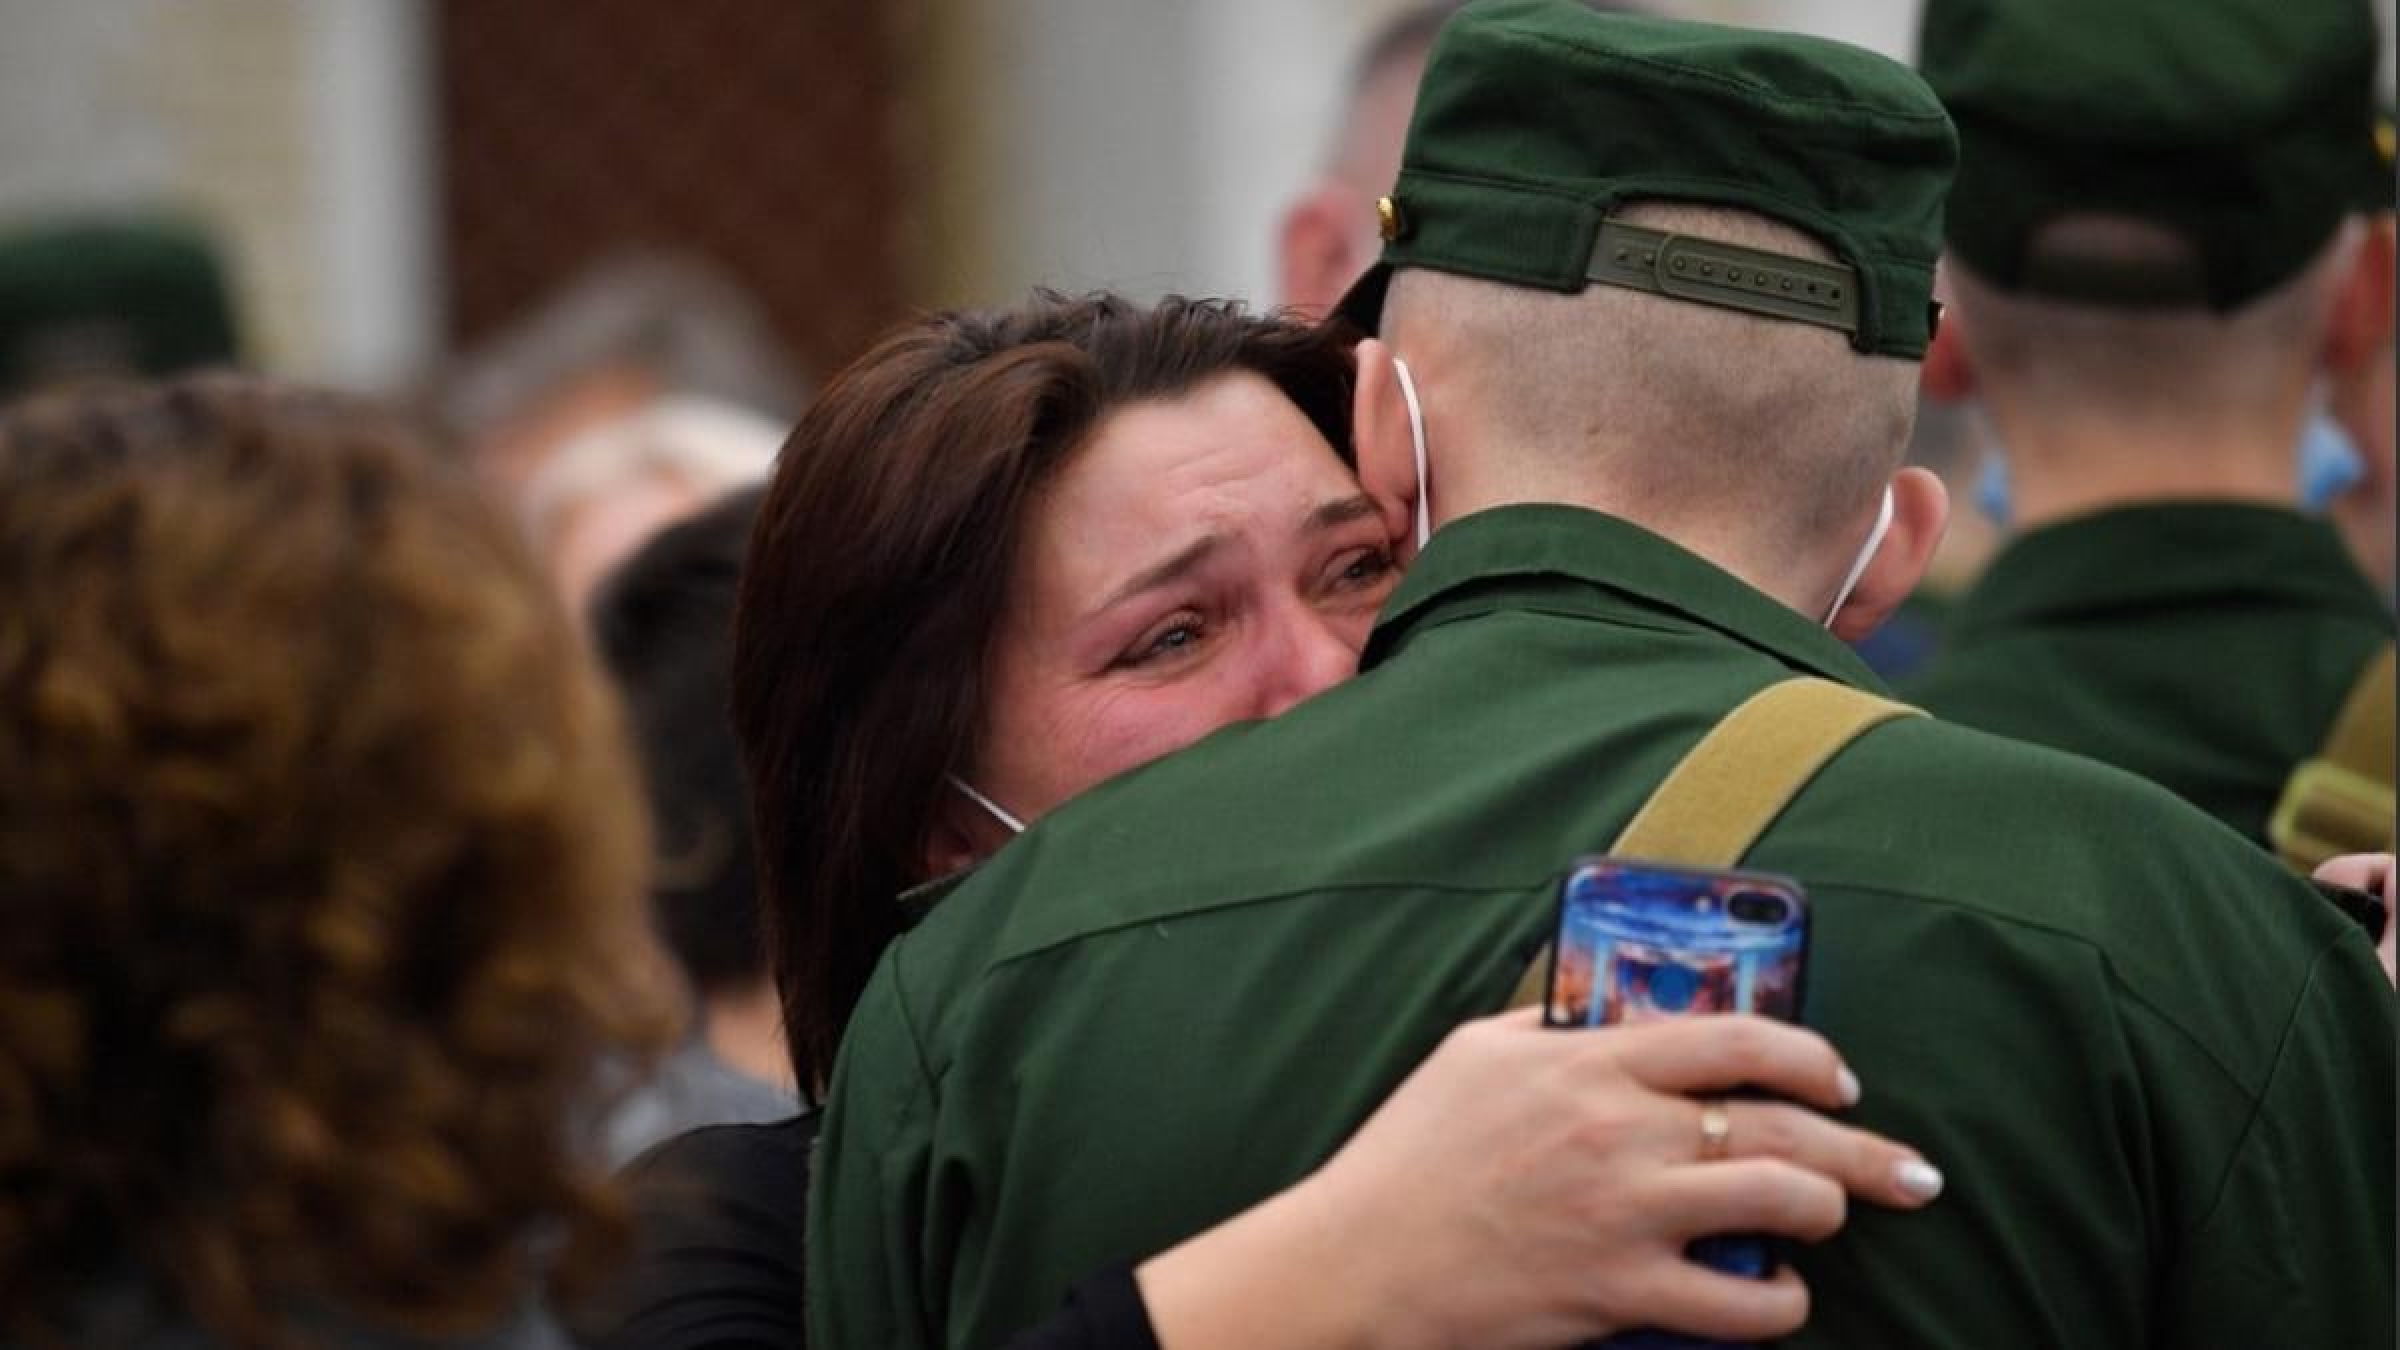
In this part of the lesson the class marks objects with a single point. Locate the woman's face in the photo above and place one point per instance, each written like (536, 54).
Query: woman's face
(1200, 560)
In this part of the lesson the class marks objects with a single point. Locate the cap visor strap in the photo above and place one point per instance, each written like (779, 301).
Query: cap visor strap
(1726, 275)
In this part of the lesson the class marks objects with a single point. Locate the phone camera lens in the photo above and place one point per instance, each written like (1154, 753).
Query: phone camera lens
(1757, 907)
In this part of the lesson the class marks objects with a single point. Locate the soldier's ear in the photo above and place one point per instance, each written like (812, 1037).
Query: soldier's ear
(1948, 376)
(1920, 512)
(2360, 325)
(1387, 464)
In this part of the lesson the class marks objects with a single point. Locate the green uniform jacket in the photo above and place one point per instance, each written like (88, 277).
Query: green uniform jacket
(2205, 646)
(2157, 1069)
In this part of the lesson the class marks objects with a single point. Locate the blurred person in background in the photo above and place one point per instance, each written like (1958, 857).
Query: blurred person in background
(663, 625)
(624, 333)
(85, 301)
(610, 488)
(322, 870)
(2155, 262)
(1328, 235)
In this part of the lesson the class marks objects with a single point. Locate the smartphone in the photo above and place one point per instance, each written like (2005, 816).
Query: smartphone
(1638, 942)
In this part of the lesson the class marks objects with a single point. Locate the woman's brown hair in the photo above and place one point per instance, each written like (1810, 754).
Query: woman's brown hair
(320, 876)
(879, 570)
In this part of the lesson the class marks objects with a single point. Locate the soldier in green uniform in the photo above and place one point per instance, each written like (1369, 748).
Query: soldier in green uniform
(2155, 255)
(1660, 289)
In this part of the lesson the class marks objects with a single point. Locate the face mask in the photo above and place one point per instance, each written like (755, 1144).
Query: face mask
(998, 812)
(1416, 436)
(2327, 464)
(1858, 568)
(1991, 488)
(2330, 464)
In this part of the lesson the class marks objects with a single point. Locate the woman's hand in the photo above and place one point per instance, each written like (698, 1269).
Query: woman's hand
(2372, 873)
(1529, 1187)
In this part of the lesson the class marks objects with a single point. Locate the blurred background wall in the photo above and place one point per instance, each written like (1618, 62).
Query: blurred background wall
(298, 133)
(764, 135)
(391, 180)
(1150, 145)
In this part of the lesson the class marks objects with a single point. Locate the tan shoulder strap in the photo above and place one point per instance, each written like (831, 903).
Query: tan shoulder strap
(2341, 800)
(1731, 786)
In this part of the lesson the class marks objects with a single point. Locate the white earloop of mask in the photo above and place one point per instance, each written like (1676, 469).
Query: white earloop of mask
(1416, 436)
(998, 812)
(1883, 525)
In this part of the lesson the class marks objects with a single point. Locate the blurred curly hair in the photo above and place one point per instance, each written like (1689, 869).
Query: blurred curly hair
(321, 876)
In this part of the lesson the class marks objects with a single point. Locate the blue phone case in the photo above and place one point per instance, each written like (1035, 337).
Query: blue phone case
(1637, 942)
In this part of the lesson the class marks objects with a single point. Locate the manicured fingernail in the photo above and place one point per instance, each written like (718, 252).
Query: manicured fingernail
(1919, 1178)
(1847, 1085)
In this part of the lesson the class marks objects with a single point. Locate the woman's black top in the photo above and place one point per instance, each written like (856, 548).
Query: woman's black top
(720, 1218)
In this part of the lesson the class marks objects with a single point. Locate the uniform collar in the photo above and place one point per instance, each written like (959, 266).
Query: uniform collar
(1565, 558)
(2143, 558)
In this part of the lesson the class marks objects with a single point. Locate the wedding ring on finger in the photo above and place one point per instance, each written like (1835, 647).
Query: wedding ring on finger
(1716, 1130)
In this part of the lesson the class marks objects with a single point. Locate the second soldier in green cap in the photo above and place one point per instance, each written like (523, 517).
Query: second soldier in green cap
(2159, 252)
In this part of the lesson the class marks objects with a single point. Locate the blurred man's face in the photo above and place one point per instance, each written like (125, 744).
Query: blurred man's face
(511, 453)
(590, 539)
(1329, 235)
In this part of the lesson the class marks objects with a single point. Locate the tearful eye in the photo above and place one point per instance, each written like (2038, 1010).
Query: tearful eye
(1363, 568)
(1177, 638)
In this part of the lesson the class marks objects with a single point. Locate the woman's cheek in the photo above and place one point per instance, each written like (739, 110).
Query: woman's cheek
(1356, 624)
(1125, 728)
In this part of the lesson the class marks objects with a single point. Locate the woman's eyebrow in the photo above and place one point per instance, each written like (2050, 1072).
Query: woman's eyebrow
(1185, 561)
(1333, 514)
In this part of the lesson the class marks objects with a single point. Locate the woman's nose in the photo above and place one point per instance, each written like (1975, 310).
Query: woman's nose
(1314, 656)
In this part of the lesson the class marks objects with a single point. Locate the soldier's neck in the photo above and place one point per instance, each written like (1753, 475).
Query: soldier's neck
(2059, 478)
(1739, 546)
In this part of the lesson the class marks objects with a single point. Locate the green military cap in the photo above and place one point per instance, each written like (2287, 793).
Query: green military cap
(2247, 128)
(1537, 117)
(109, 297)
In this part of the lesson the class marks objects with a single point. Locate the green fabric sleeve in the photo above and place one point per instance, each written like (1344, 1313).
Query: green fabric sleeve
(865, 1206)
(2315, 1172)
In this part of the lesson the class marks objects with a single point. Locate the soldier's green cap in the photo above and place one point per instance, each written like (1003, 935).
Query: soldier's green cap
(2245, 128)
(1537, 118)
(109, 297)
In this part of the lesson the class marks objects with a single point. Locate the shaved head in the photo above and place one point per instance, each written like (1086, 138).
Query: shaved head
(1689, 418)
(2041, 356)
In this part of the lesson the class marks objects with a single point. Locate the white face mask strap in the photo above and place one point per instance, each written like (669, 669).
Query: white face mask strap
(1416, 436)
(1883, 525)
(998, 812)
